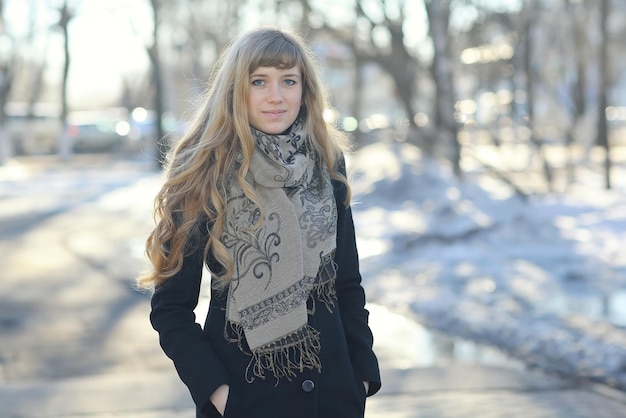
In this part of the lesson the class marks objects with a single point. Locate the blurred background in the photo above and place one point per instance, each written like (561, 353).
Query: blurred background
(488, 168)
(452, 77)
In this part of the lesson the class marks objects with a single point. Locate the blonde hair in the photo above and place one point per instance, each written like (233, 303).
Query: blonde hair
(193, 195)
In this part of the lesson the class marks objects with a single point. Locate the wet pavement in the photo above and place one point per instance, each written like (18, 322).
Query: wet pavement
(435, 392)
(76, 341)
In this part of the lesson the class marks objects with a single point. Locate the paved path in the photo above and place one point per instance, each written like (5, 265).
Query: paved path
(448, 392)
(75, 339)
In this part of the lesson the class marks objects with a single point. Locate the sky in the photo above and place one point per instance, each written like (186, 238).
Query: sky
(103, 50)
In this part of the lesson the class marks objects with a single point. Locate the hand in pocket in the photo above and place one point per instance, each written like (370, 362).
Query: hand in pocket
(219, 398)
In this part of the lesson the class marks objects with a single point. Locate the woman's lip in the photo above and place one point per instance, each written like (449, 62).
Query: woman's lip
(274, 112)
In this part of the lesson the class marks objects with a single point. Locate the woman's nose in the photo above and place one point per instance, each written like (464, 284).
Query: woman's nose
(275, 94)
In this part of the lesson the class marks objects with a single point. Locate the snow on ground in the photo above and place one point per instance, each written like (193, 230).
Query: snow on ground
(543, 279)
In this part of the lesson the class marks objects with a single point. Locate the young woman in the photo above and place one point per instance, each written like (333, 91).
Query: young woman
(257, 192)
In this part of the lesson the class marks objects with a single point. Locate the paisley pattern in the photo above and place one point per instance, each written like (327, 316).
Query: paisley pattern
(254, 250)
(314, 219)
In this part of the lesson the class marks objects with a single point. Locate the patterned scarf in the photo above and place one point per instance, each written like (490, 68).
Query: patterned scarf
(280, 261)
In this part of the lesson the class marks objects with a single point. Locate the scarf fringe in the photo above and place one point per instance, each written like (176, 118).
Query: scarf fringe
(234, 333)
(326, 293)
(282, 358)
(296, 351)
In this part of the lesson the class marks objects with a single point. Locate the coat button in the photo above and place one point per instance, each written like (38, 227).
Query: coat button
(308, 385)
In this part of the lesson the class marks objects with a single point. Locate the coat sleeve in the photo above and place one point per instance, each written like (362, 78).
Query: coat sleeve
(181, 338)
(351, 297)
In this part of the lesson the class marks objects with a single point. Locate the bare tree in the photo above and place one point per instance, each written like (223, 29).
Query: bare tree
(401, 63)
(6, 82)
(552, 66)
(394, 58)
(36, 67)
(196, 44)
(153, 52)
(528, 36)
(200, 42)
(603, 86)
(442, 72)
(6, 73)
(577, 14)
(65, 17)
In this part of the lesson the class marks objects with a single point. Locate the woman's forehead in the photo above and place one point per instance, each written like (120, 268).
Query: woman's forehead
(264, 69)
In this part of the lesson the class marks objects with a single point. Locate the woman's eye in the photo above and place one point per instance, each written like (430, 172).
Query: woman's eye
(257, 82)
(290, 82)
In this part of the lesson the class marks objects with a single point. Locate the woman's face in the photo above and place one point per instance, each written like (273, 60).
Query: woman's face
(274, 98)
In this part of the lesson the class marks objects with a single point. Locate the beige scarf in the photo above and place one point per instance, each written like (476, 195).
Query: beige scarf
(279, 262)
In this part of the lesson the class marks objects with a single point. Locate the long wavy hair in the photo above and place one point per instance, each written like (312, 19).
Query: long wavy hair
(194, 193)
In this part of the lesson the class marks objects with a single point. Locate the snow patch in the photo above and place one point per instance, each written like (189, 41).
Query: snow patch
(544, 278)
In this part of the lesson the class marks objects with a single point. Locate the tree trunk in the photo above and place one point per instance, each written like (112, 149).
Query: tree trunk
(65, 143)
(438, 17)
(6, 73)
(603, 137)
(536, 142)
(357, 97)
(161, 144)
(578, 17)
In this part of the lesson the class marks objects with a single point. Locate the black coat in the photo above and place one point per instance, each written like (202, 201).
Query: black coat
(205, 360)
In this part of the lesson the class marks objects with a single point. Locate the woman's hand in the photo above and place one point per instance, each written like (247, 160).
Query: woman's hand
(367, 387)
(219, 398)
